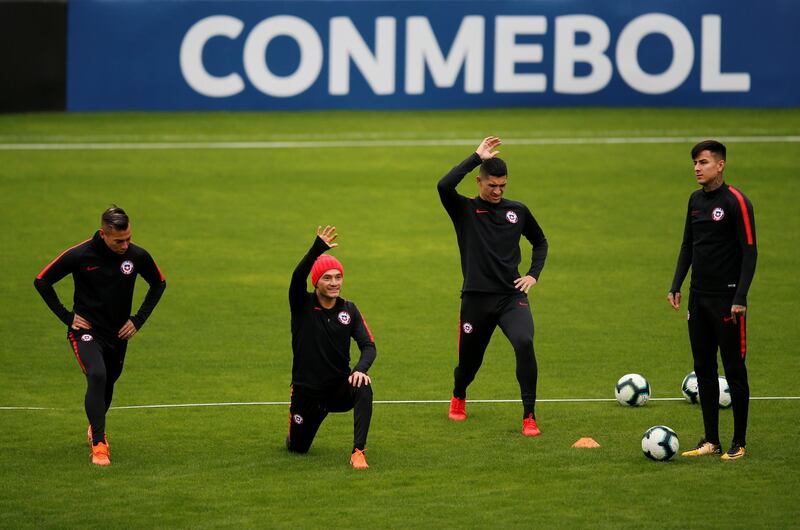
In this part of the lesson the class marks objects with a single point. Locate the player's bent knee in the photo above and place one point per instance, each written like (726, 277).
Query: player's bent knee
(364, 391)
(523, 344)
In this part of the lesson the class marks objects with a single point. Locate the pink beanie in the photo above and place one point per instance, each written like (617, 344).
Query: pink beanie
(323, 264)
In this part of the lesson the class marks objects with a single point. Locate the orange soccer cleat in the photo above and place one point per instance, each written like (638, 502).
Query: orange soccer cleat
(529, 427)
(357, 459)
(457, 409)
(100, 455)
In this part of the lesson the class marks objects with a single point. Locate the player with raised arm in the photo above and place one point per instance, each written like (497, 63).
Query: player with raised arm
(323, 324)
(488, 229)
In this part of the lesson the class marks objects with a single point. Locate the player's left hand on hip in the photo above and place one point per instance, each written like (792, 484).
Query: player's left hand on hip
(359, 379)
(737, 311)
(127, 331)
(525, 283)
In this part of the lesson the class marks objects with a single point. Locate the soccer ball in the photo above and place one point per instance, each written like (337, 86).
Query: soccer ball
(633, 390)
(689, 388)
(660, 443)
(692, 392)
(724, 393)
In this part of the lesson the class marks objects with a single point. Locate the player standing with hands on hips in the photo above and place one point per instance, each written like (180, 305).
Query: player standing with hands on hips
(488, 228)
(719, 244)
(104, 270)
(323, 324)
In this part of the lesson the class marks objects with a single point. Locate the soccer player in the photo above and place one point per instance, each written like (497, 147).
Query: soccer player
(322, 325)
(719, 244)
(104, 270)
(488, 228)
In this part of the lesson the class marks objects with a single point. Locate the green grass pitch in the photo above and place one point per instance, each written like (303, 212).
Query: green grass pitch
(227, 226)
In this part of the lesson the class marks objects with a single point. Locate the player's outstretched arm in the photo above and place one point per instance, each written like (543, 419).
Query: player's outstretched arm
(447, 184)
(486, 149)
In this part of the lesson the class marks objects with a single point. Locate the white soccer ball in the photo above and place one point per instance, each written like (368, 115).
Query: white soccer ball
(724, 393)
(660, 443)
(633, 390)
(689, 388)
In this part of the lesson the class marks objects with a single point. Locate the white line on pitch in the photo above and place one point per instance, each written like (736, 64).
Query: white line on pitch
(349, 144)
(388, 402)
(28, 408)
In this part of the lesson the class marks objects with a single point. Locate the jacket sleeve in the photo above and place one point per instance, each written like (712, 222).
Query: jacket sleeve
(63, 265)
(534, 234)
(366, 342)
(746, 232)
(297, 287)
(448, 183)
(685, 255)
(155, 279)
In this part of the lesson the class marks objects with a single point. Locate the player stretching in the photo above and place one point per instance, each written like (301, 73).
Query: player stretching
(322, 325)
(719, 243)
(488, 228)
(104, 270)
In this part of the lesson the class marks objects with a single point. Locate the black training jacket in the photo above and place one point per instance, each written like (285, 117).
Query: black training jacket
(488, 235)
(321, 337)
(719, 243)
(104, 282)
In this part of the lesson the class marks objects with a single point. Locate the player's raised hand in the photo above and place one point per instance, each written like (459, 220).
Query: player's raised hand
(328, 235)
(487, 148)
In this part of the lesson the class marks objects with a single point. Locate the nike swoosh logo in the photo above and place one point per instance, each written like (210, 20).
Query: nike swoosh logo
(727, 319)
(92, 268)
(481, 211)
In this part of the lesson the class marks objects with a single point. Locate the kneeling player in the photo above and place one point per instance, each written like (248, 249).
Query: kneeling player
(322, 326)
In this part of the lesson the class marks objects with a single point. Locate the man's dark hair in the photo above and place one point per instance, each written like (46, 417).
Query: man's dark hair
(493, 167)
(114, 218)
(716, 148)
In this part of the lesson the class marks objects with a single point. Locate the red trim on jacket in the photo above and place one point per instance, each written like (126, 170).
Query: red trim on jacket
(745, 214)
(39, 276)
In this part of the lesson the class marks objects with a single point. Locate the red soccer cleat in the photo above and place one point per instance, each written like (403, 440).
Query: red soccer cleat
(529, 427)
(458, 409)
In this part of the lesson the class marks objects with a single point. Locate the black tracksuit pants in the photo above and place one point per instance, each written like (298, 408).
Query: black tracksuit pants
(101, 361)
(309, 408)
(711, 327)
(480, 315)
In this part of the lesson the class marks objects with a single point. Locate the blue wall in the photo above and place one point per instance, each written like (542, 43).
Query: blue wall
(306, 54)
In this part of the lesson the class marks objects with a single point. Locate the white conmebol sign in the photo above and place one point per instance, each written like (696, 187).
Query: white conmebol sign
(467, 53)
